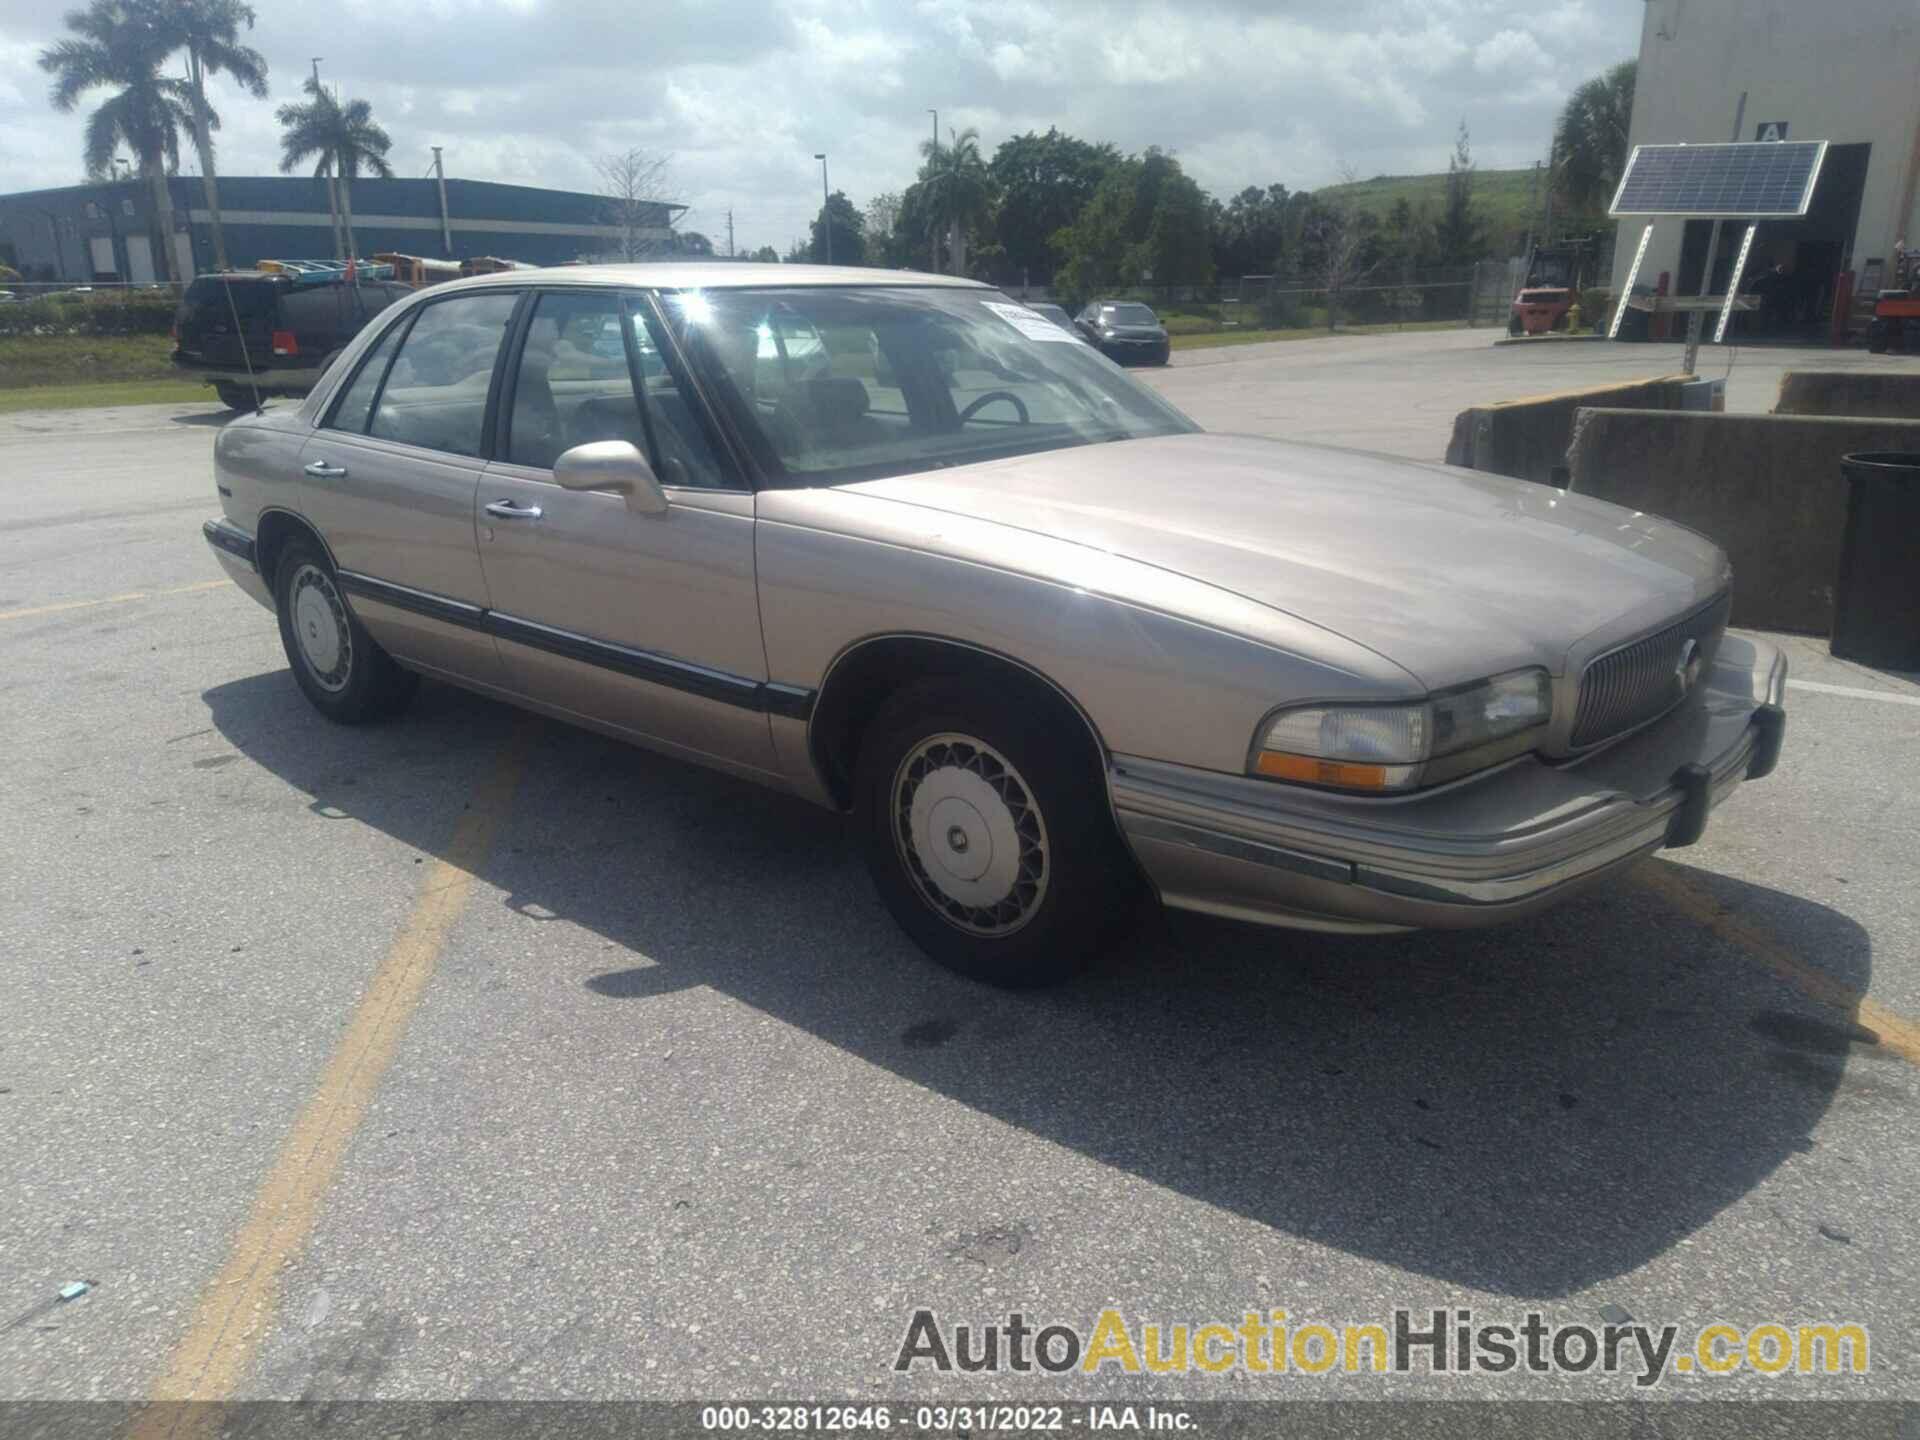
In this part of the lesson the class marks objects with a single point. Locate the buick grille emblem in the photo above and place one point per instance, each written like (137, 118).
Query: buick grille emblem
(1686, 669)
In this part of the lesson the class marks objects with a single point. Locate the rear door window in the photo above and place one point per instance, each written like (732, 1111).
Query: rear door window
(436, 393)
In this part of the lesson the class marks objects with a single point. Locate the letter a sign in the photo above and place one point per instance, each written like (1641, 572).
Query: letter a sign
(1770, 130)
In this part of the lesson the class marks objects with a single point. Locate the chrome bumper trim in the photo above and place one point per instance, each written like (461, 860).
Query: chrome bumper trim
(1472, 853)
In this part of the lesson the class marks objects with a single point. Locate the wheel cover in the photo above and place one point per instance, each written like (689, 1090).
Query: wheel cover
(970, 834)
(320, 628)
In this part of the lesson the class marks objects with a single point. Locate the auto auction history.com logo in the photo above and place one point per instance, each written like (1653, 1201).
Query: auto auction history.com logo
(1436, 1341)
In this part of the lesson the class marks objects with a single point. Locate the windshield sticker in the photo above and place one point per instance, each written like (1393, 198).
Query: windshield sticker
(1034, 327)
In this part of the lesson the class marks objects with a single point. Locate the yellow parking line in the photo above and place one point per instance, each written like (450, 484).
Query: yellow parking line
(236, 1310)
(1898, 1035)
(110, 600)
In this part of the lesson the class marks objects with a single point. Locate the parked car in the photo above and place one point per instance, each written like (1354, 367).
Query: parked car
(1125, 330)
(274, 333)
(1043, 636)
(1056, 313)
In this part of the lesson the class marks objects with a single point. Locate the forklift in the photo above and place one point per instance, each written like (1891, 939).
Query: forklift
(1896, 312)
(1556, 274)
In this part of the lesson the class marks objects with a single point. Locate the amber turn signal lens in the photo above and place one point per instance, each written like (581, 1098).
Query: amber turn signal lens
(1311, 770)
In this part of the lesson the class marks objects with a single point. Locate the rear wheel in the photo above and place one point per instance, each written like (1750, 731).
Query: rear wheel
(988, 834)
(234, 397)
(337, 664)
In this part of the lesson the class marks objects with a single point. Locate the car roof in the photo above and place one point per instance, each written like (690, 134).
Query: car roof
(709, 275)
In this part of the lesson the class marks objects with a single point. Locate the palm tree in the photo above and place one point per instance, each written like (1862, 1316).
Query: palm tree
(342, 140)
(959, 190)
(1590, 140)
(117, 44)
(209, 31)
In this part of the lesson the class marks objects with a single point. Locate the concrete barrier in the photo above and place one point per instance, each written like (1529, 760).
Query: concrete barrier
(1528, 438)
(1765, 488)
(1893, 393)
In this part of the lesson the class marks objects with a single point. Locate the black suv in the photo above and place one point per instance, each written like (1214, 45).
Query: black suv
(1125, 330)
(291, 329)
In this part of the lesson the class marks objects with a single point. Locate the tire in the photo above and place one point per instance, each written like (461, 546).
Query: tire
(234, 397)
(1011, 782)
(345, 675)
(1514, 327)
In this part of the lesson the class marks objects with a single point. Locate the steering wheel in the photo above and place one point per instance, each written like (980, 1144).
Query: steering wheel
(982, 401)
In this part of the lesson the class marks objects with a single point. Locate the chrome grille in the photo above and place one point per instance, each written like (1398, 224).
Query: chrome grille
(1630, 686)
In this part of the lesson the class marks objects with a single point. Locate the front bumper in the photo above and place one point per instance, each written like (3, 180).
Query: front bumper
(1493, 847)
(1137, 352)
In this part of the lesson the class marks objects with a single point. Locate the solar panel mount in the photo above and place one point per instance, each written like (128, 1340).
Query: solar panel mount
(1768, 179)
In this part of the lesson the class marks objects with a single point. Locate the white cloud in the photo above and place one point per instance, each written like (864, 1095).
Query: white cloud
(743, 92)
(1511, 53)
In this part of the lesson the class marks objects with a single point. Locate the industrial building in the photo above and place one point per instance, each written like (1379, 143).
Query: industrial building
(1711, 71)
(107, 231)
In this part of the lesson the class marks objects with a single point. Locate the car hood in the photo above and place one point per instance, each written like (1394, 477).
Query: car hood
(1451, 574)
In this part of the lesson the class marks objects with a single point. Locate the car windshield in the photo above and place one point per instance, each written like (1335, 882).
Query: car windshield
(836, 385)
(1127, 315)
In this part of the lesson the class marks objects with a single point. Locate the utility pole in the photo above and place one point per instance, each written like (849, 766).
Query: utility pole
(826, 211)
(446, 226)
(729, 232)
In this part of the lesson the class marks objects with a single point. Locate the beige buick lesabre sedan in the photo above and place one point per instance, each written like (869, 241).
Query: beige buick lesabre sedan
(899, 545)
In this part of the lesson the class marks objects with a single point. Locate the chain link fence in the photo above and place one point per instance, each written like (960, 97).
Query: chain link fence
(1477, 294)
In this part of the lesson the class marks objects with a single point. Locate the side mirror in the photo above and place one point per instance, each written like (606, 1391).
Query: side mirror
(615, 466)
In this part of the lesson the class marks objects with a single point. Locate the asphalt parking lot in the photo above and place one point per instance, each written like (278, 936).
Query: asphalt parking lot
(472, 1056)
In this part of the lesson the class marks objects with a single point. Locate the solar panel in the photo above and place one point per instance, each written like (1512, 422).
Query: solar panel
(1745, 181)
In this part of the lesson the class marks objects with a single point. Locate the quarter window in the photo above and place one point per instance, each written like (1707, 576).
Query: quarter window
(436, 393)
(355, 406)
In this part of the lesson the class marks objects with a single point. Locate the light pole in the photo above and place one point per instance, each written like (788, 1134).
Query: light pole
(932, 162)
(826, 213)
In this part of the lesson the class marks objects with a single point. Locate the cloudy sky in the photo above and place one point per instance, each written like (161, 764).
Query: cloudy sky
(743, 92)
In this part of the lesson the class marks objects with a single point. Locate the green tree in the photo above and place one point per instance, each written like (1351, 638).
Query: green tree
(1146, 220)
(1407, 237)
(958, 199)
(766, 255)
(209, 31)
(1043, 182)
(117, 45)
(849, 234)
(878, 224)
(341, 140)
(1250, 231)
(1459, 236)
(1590, 139)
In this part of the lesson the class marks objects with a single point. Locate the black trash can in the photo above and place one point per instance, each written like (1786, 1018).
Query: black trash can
(1876, 598)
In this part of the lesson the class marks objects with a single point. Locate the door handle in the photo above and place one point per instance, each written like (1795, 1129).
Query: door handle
(321, 470)
(507, 510)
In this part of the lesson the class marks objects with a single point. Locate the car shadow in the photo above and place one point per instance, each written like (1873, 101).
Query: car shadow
(210, 419)
(1526, 1111)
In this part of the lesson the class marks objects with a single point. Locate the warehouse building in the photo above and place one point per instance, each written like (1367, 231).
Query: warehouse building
(108, 231)
(1717, 70)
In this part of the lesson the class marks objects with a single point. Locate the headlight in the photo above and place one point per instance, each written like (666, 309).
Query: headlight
(1393, 747)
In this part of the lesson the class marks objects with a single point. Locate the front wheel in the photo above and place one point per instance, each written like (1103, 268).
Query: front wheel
(337, 664)
(988, 834)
